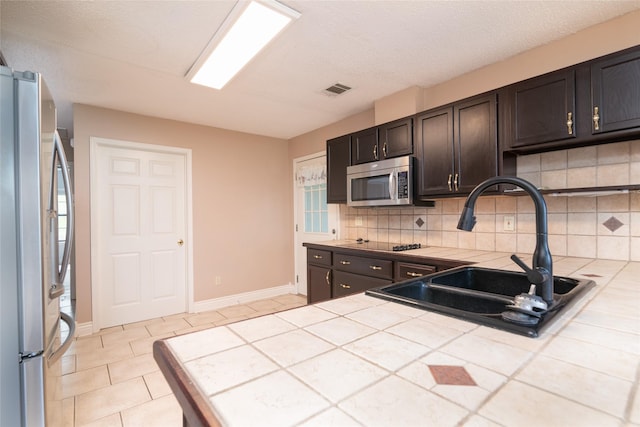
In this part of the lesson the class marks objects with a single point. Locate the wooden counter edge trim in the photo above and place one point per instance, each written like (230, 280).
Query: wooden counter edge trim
(196, 409)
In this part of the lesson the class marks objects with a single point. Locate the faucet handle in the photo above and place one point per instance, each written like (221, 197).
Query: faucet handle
(536, 276)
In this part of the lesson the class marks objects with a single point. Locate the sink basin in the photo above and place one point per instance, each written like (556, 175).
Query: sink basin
(480, 295)
(501, 282)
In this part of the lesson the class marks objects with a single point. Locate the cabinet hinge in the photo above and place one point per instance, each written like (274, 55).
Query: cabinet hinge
(297, 279)
(296, 227)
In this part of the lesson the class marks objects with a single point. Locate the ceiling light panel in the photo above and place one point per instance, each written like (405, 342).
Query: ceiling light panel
(247, 30)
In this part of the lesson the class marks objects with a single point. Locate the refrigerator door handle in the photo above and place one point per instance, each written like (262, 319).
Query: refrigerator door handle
(55, 354)
(57, 287)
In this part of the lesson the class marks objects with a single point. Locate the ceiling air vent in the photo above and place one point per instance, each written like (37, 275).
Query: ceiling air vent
(337, 89)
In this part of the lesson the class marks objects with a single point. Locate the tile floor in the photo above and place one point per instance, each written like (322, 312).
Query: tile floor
(111, 379)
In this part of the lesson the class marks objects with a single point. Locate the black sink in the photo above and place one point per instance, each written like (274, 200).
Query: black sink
(480, 295)
(501, 282)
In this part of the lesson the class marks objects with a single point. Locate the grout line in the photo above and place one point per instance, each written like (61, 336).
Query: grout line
(278, 307)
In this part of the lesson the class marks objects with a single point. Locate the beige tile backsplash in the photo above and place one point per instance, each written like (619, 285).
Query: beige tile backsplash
(598, 226)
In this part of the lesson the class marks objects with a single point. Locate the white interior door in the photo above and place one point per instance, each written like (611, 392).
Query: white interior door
(140, 220)
(315, 220)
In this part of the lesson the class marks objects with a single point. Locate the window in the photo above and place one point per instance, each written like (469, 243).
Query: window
(316, 215)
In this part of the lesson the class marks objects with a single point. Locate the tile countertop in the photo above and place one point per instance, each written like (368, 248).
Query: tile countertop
(360, 360)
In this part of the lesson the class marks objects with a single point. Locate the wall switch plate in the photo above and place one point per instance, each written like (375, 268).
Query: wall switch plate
(509, 223)
(218, 280)
(358, 221)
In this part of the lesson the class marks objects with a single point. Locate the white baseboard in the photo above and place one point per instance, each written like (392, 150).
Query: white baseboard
(216, 303)
(84, 329)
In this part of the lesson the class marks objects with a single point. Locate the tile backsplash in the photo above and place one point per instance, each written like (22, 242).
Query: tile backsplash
(605, 226)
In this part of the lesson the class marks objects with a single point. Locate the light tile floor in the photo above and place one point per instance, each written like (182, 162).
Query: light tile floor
(111, 379)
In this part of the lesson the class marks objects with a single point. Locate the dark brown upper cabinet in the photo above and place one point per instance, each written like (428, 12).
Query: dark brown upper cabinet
(594, 102)
(338, 158)
(396, 138)
(456, 146)
(364, 146)
(615, 92)
(542, 109)
(389, 140)
(434, 151)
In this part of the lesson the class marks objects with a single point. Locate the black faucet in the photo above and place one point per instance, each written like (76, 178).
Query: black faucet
(541, 273)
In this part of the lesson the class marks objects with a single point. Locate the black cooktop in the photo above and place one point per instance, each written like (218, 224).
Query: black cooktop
(383, 246)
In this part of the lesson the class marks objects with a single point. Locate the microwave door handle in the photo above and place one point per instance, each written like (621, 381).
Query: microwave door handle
(392, 185)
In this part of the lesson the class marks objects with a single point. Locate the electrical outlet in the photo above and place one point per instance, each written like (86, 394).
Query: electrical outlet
(509, 223)
(358, 221)
(218, 280)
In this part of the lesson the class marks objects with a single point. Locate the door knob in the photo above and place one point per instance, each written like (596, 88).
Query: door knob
(180, 242)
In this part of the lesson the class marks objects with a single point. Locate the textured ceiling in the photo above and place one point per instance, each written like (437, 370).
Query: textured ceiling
(133, 55)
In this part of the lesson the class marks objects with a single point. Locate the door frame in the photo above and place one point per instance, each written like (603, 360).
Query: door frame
(95, 144)
(296, 219)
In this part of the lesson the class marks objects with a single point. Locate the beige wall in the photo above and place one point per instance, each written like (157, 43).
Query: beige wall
(595, 41)
(315, 141)
(241, 202)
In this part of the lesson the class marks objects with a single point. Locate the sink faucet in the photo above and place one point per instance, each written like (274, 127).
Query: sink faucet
(541, 273)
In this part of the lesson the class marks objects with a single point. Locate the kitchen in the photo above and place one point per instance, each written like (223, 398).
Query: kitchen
(240, 229)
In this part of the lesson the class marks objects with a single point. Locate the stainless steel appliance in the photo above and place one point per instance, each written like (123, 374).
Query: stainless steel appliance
(385, 183)
(32, 271)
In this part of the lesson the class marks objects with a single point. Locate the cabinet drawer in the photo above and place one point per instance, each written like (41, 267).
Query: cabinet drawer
(405, 271)
(361, 265)
(319, 257)
(348, 283)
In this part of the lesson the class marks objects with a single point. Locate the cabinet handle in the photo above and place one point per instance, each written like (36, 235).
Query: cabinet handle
(317, 256)
(343, 286)
(384, 149)
(375, 152)
(449, 182)
(570, 123)
(596, 118)
(326, 278)
(412, 274)
(455, 182)
(345, 262)
(375, 267)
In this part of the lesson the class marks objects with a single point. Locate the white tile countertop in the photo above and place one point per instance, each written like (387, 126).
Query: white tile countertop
(360, 360)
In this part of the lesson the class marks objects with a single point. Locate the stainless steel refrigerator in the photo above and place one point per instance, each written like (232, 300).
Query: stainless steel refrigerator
(32, 266)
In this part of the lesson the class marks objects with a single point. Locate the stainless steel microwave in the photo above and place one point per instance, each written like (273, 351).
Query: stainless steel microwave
(387, 182)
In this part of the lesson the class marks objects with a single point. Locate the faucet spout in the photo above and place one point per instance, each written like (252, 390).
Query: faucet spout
(541, 273)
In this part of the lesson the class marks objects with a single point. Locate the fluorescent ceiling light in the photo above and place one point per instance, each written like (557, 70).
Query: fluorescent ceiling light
(248, 29)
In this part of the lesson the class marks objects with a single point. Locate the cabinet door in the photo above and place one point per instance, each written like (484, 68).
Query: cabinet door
(434, 151)
(615, 92)
(476, 142)
(543, 109)
(338, 158)
(318, 283)
(396, 138)
(364, 146)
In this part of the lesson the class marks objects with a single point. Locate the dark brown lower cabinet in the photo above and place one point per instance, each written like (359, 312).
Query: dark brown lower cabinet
(333, 272)
(318, 283)
(318, 275)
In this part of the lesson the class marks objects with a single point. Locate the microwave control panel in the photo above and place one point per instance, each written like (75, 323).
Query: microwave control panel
(403, 185)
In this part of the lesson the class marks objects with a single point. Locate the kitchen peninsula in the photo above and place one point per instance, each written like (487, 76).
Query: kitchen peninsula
(359, 360)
